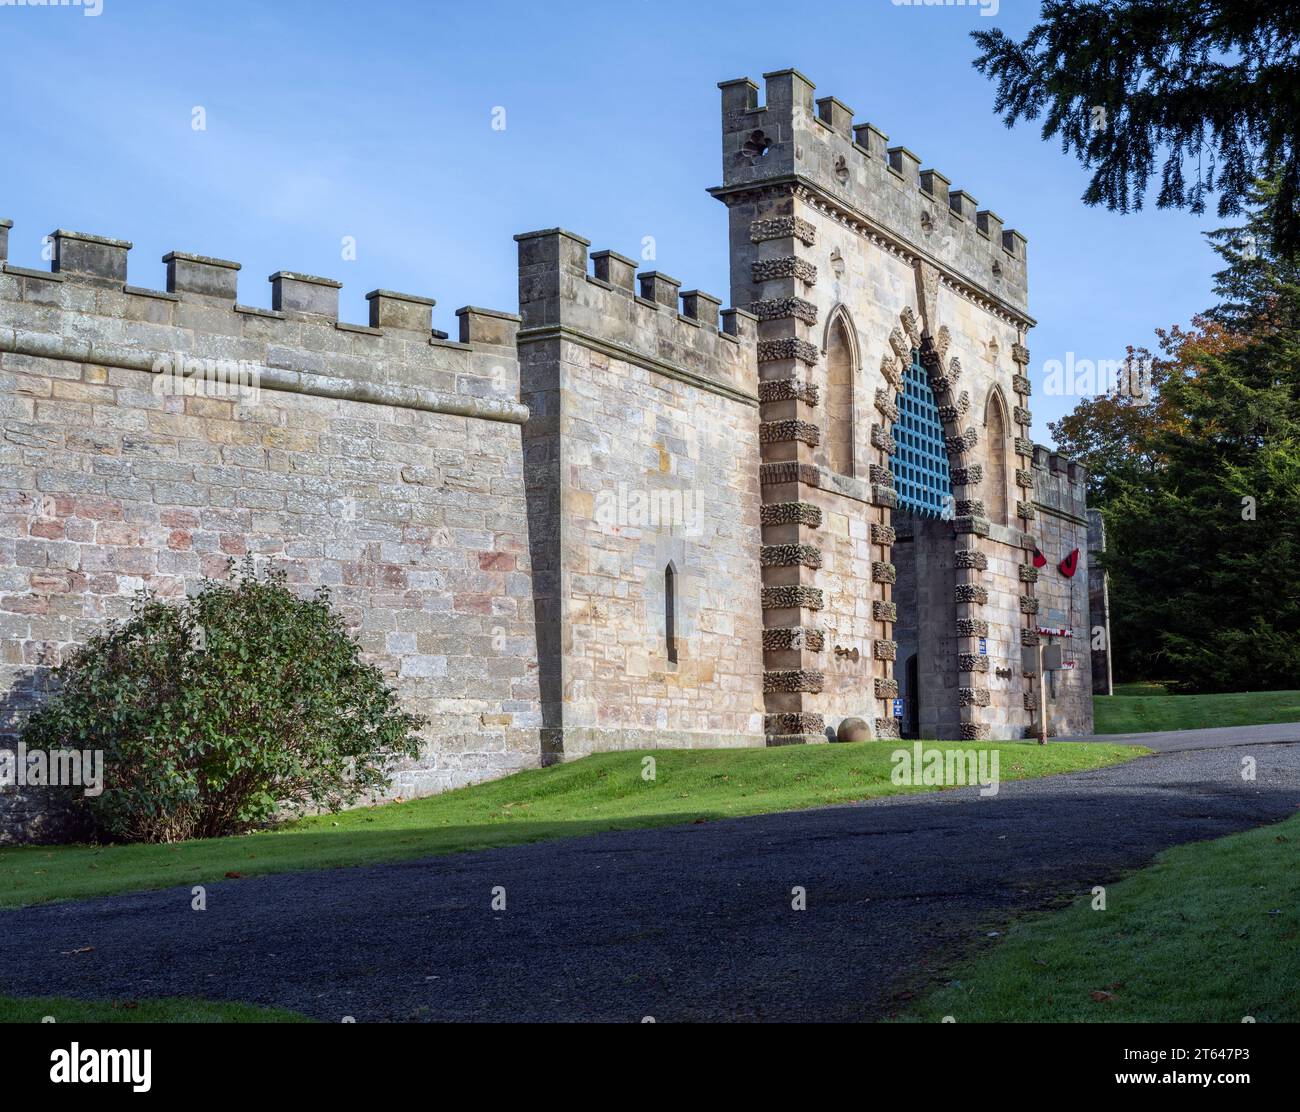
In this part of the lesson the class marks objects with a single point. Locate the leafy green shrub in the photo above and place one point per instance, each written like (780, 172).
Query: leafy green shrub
(218, 712)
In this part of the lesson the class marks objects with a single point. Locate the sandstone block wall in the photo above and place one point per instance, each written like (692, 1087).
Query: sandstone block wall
(381, 460)
(1060, 497)
(641, 457)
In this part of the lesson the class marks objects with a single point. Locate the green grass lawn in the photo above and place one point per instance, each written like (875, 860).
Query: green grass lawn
(601, 792)
(1208, 934)
(1138, 713)
(34, 1009)
(1148, 687)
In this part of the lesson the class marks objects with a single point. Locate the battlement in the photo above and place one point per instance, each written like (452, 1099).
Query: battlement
(1060, 484)
(598, 297)
(814, 144)
(298, 344)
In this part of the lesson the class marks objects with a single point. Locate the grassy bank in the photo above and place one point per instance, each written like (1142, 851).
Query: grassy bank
(1133, 714)
(603, 792)
(1207, 934)
(65, 1010)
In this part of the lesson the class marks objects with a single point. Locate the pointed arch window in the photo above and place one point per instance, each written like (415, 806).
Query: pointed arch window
(920, 459)
(995, 424)
(839, 397)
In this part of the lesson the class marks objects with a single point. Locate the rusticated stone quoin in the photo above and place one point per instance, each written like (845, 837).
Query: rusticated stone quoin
(970, 558)
(886, 688)
(765, 270)
(787, 471)
(1028, 573)
(793, 723)
(967, 476)
(785, 308)
(791, 513)
(972, 662)
(786, 638)
(884, 611)
(887, 729)
(882, 534)
(974, 526)
(972, 697)
(882, 572)
(788, 389)
(963, 443)
(794, 679)
(972, 627)
(777, 432)
(783, 227)
(1028, 604)
(971, 593)
(790, 555)
(883, 649)
(791, 597)
(771, 351)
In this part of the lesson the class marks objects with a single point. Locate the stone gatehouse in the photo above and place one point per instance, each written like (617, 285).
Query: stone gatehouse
(620, 517)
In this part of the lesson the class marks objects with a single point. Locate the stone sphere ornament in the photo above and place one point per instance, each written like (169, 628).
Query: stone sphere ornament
(853, 729)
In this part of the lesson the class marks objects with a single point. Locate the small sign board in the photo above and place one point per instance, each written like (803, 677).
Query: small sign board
(1029, 658)
(984, 646)
(898, 708)
(1051, 658)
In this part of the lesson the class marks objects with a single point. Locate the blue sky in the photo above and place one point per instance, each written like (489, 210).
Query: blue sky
(374, 120)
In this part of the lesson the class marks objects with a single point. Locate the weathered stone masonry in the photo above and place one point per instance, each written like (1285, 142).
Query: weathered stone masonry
(377, 459)
(625, 517)
(640, 459)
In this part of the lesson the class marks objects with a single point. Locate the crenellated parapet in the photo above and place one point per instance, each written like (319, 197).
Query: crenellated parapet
(811, 146)
(1060, 485)
(601, 299)
(298, 345)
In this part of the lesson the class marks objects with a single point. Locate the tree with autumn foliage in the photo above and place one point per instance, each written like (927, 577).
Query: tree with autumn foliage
(1199, 483)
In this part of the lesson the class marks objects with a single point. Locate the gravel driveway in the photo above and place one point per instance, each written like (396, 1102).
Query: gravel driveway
(688, 922)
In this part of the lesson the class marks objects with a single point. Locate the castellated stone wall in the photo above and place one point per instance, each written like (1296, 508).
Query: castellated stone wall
(625, 518)
(643, 488)
(381, 460)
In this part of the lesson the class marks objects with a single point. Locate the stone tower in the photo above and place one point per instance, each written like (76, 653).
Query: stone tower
(861, 265)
